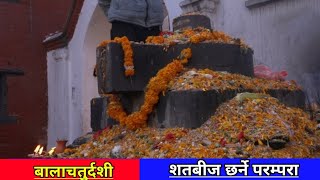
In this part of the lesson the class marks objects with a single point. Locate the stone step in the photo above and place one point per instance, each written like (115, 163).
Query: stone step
(190, 109)
(149, 59)
(99, 117)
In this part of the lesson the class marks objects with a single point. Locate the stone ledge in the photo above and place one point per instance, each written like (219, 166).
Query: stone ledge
(187, 2)
(190, 109)
(258, 3)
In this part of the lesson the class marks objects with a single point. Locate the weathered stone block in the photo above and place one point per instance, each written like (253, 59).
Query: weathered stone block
(190, 109)
(99, 116)
(191, 21)
(149, 59)
(290, 98)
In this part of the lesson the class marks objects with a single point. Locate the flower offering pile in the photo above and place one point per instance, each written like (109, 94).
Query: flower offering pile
(248, 126)
(251, 125)
(195, 36)
(206, 79)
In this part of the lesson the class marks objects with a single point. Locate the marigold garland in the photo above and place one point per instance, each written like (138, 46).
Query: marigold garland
(156, 85)
(160, 82)
(239, 129)
(196, 35)
(155, 39)
(127, 51)
(206, 79)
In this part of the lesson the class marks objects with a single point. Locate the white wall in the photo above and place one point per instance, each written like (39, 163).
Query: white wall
(71, 84)
(59, 94)
(283, 34)
(98, 31)
(174, 9)
(70, 80)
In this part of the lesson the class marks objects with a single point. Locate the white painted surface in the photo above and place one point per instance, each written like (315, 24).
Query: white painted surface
(97, 31)
(174, 9)
(59, 94)
(71, 84)
(283, 34)
(70, 80)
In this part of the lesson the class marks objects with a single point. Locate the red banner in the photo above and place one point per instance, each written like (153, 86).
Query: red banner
(69, 169)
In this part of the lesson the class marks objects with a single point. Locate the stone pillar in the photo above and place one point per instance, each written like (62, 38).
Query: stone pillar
(204, 7)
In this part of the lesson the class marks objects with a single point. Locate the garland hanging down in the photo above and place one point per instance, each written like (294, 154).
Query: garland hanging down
(194, 36)
(127, 51)
(160, 82)
(156, 85)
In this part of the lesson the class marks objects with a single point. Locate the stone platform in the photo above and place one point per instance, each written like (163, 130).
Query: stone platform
(149, 59)
(189, 109)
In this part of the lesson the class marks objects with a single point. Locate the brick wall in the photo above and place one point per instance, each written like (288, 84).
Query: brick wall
(23, 27)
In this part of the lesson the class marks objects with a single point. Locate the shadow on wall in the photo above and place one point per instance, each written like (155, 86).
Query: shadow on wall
(306, 45)
(98, 30)
(296, 48)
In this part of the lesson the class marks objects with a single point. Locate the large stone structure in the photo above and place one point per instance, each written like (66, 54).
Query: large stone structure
(187, 108)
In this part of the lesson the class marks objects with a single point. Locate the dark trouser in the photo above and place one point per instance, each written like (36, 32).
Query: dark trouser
(133, 32)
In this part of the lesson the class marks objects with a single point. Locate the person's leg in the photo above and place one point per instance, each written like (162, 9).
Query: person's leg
(143, 33)
(154, 31)
(120, 29)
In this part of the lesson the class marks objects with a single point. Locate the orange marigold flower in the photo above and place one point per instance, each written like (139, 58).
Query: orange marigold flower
(155, 39)
(128, 63)
(186, 53)
(129, 72)
(156, 85)
(127, 51)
